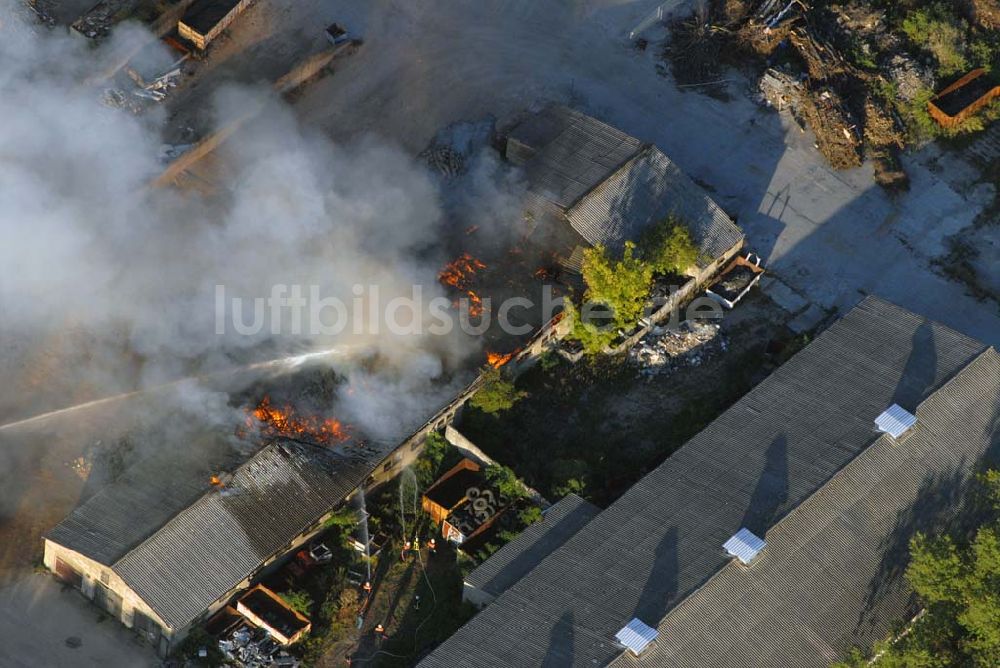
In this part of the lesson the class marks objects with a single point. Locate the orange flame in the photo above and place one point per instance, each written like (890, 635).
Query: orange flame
(275, 421)
(497, 360)
(458, 274)
(215, 480)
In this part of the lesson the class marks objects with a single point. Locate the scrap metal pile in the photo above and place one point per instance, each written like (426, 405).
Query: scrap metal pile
(666, 349)
(807, 73)
(253, 648)
(134, 93)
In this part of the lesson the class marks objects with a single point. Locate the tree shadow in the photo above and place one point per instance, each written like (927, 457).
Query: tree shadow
(771, 492)
(560, 652)
(936, 500)
(920, 373)
(943, 503)
(661, 586)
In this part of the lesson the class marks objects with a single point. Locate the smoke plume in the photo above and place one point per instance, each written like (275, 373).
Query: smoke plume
(108, 285)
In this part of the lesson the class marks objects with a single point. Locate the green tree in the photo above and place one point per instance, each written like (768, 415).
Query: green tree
(668, 246)
(345, 519)
(497, 394)
(958, 582)
(619, 286)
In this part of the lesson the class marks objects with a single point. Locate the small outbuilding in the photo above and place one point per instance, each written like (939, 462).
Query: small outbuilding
(265, 609)
(206, 19)
(450, 491)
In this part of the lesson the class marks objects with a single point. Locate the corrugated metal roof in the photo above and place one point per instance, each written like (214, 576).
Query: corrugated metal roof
(645, 191)
(515, 559)
(636, 636)
(210, 547)
(895, 421)
(574, 153)
(611, 187)
(143, 498)
(744, 545)
(832, 575)
(773, 449)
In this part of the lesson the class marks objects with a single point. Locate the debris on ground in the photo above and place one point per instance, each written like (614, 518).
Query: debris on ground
(44, 10)
(844, 70)
(665, 349)
(909, 77)
(254, 648)
(456, 146)
(834, 125)
(985, 13)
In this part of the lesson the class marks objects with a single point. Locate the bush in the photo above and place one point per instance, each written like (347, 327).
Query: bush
(668, 246)
(429, 465)
(936, 29)
(505, 482)
(298, 600)
(497, 394)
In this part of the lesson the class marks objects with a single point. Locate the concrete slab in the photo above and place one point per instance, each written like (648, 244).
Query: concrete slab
(807, 320)
(40, 623)
(783, 295)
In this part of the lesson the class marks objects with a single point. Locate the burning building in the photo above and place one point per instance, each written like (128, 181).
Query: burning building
(170, 542)
(591, 184)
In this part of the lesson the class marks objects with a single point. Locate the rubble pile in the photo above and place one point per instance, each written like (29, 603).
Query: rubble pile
(985, 13)
(835, 127)
(135, 99)
(834, 66)
(254, 648)
(666, 349)
(445, 160)
(908, 76)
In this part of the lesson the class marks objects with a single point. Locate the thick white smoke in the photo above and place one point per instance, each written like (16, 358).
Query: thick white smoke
(107, 285)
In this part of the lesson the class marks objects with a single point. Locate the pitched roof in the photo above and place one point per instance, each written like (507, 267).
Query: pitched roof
(609, 185)
(573, 153)
(779, 444)
(643, 192)
(207, 549)
(515, 559)
(146, 495)
(181, 543)
(831, 576)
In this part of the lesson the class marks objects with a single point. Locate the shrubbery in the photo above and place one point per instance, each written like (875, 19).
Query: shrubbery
(497, 393)
(936, 29)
